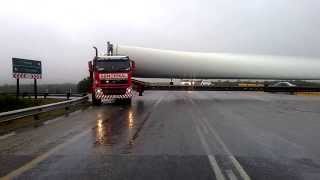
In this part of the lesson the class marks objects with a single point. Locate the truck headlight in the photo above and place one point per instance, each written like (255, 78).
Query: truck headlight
(129, 89)
(99, 90)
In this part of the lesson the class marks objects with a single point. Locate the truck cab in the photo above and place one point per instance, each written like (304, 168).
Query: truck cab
(111, 78)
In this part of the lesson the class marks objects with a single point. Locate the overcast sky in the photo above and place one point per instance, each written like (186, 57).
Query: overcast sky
(61, 33)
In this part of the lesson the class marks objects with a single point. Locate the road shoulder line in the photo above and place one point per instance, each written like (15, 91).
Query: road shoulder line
(15, 173)
(7, 135)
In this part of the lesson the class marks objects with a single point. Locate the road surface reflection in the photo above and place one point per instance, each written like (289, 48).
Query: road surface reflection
(114, 128)
(130, 119)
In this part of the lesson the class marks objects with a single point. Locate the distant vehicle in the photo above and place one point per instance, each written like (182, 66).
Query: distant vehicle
(283, 84)
(206, 83)
(250, 85)
(186, 83)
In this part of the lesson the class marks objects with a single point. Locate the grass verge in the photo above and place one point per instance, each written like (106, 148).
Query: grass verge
(308, 93)
(9, 102)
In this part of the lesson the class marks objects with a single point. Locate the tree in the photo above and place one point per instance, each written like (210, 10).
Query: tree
(84, 85)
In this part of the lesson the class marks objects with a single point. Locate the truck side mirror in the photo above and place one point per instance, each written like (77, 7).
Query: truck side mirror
(90, 66)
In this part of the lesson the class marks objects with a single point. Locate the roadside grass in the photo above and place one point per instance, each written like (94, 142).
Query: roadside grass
(308, 93)
(10, 102)
(32, 121)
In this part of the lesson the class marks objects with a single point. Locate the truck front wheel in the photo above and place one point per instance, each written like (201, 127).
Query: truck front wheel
(126, 101)
(95, 101)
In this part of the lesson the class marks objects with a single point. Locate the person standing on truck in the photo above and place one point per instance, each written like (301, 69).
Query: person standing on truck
(109, 49)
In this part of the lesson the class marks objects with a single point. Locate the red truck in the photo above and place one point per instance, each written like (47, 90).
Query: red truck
(111, 78)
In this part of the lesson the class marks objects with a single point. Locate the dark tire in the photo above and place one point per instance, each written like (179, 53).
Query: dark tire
(95, 101)
(126, 101)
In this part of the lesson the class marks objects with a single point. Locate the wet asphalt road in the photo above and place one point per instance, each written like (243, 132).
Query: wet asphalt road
(174, 135)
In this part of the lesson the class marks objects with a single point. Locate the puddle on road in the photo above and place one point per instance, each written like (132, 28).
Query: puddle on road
(118, 125)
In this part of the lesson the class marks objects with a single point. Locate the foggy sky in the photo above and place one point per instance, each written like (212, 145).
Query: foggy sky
(61, 33)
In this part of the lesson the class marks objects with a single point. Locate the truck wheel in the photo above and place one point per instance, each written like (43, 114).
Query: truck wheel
(95, 101)
(127, 101)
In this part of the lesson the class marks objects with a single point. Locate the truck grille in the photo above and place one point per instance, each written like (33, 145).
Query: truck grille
(114, 81)
(114, 91)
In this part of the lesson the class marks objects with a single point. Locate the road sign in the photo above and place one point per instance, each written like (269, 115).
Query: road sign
(26, 69)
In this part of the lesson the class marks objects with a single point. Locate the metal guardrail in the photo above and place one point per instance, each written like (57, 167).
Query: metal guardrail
(35, 111)
(230, 88)
(141, 86)
(28, 94)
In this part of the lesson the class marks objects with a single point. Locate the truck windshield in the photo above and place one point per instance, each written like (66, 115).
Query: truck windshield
(113, 65)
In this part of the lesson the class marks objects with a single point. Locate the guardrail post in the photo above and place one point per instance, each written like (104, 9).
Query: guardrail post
(45, 95)
(36, 117)
(35, 120)
(67, 108)
(68, 95)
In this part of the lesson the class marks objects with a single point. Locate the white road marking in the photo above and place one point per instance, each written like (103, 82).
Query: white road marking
(240, 169)
(231, 175)
(205, 129)
(212, 160)
(203, 126)
(203, 141)
(234, 161)
(158, 102)
(61, 117)
(7, 135)
(43, 157)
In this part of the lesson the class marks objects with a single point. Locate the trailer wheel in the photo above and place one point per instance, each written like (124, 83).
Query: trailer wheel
(95, 101)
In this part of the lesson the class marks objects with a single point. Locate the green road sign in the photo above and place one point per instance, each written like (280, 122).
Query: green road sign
(24, 68)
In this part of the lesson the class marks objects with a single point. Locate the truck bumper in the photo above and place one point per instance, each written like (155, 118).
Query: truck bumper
(100, 95)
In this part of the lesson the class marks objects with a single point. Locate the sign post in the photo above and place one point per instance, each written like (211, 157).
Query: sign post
(35, 89)
(26, 69)
(18, 89)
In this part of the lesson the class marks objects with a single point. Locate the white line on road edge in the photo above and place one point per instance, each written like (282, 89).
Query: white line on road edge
(158, 102)
(212, 160)
(7, 135)
(61, 117)
(53, 120)
(231, 175)
(234, 161)
(43, 157)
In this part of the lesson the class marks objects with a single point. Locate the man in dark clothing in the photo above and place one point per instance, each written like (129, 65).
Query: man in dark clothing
(110, 49)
